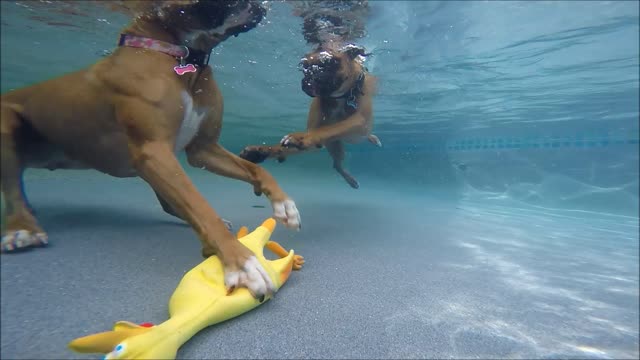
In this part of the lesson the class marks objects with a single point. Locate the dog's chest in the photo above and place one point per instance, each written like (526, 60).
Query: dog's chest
(335, 111)
(191, 120)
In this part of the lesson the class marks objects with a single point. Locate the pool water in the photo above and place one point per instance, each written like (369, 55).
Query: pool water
(498, 220)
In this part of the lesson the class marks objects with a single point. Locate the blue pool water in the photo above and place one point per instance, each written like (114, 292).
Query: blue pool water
(498, 220)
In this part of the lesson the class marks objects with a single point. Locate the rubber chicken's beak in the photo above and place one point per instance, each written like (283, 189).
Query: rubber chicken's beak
(104, 342)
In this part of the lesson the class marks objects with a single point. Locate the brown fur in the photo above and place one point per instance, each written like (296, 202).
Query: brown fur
(121, 116)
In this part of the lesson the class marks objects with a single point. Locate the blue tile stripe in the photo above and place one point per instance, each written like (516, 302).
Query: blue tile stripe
(506, 143)
(477, 144)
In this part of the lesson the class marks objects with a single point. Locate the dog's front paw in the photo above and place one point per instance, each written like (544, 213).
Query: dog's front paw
(255, 154)
(247, 272)
(14, 240)
(299, 140)
(287, 212)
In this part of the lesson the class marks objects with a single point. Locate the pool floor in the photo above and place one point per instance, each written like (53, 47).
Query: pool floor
(387, 275)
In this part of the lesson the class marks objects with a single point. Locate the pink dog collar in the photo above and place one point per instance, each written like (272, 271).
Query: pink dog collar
(157, 45)
(179, 52)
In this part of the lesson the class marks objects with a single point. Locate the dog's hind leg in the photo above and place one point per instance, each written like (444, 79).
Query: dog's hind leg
(21, 230)
(169, 210)
(336, 150)
(374, 140)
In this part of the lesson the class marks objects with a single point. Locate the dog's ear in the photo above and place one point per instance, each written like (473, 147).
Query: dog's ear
(353, 51)
(150, 8)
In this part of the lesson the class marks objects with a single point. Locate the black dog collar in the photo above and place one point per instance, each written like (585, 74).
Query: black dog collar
(354, 92)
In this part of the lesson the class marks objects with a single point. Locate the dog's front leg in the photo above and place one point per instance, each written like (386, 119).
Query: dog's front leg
(152, 156)
(352, 126)
(259, 153)
(169, 210)
(215, 158)
(157, 165)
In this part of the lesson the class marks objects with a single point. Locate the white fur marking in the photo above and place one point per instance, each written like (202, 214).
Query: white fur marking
(21, 239)
(253, 276)
(190, 122)
(287, 212)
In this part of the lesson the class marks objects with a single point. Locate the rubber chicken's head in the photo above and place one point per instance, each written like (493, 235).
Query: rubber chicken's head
(278, 270)
(128, 341)
(145, 345)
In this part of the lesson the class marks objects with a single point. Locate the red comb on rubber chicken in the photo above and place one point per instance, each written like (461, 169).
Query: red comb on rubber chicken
(200, 300)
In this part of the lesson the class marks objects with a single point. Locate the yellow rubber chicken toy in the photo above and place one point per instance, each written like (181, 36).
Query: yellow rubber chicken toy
(199, 301)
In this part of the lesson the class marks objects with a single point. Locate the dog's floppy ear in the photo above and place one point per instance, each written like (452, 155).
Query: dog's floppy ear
(353, 51)
(143, 7)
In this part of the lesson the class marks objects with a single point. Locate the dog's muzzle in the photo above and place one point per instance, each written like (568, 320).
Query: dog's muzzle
(308, 87)
(319, 78)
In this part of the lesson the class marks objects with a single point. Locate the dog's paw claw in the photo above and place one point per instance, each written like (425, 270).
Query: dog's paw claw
(22, 239)
(42, 239)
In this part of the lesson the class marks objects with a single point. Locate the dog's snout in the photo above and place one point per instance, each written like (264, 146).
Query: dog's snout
(315, 70)
(258, 10)
(308, 87)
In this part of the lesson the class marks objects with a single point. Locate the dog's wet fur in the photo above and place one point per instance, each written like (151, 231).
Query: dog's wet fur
(123, 115)
(340, 111)
(335, 77)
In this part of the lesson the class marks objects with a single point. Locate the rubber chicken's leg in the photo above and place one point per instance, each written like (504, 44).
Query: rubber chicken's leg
(277, 249)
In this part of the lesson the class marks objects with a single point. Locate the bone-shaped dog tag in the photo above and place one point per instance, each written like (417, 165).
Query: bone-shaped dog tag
(183, 69)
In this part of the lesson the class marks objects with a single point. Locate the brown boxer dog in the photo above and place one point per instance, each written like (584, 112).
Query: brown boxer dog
(129, 114)
(341, 109)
